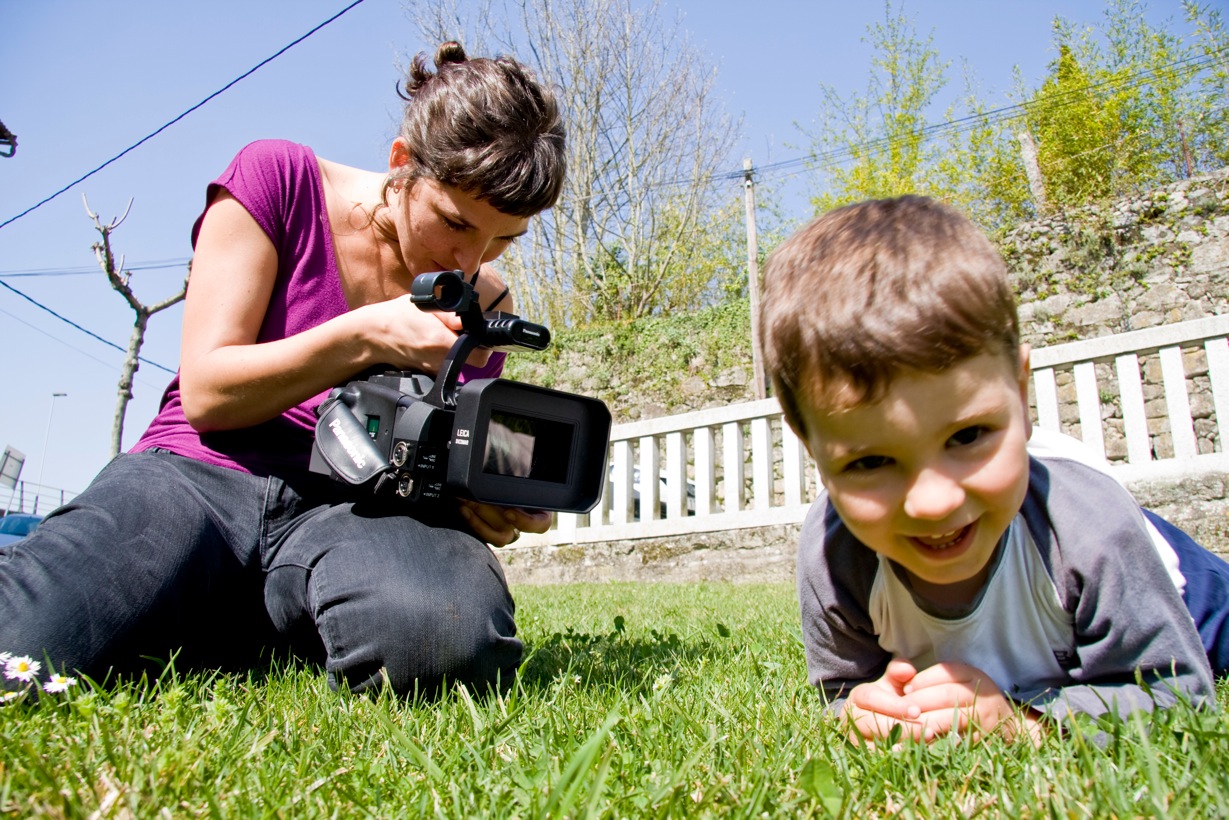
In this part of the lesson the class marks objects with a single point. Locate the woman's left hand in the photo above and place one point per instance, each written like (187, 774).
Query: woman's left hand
(500, 526)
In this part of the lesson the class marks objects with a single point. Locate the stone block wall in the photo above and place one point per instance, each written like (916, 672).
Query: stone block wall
(1158, 258)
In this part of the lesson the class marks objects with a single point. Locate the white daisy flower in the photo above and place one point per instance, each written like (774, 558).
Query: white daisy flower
(59, 683)
(21, 667)
(9, 697)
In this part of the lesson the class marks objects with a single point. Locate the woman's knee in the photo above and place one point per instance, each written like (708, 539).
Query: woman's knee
(396, 602)
(418, 642)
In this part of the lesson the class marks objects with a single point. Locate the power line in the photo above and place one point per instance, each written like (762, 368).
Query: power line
(89, 333)
(145, 139)
(1051, 102)
(821, 159)
(78, 270)
(77, 350)
(1185, 66)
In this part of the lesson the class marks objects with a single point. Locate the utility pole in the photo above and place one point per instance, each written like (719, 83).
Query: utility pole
(1032, 170)
(753, 277)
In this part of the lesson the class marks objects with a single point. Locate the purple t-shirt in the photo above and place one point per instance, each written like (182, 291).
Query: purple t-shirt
(279, 184)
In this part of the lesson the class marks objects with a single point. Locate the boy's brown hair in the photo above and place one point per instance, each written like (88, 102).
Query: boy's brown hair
(869, 290)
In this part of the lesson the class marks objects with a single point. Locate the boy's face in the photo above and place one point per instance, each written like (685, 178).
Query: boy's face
(931, 475)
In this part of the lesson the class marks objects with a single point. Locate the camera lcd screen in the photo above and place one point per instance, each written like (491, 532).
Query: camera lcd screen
(518, 445)
(525, 447)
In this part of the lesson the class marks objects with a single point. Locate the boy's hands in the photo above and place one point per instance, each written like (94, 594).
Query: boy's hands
(874, 708)
(944, 698)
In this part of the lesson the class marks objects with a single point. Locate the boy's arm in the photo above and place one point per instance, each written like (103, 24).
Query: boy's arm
(835, 574)
(1129, 619)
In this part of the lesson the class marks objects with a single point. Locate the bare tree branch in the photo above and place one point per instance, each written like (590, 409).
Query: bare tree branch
(119, 279)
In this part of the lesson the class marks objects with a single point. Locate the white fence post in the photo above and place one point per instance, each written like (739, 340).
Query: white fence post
(761, 463)
(733, 465)
(706, 470)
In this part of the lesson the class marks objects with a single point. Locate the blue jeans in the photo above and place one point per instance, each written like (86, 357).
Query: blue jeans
(1207, 579)
(166, 555)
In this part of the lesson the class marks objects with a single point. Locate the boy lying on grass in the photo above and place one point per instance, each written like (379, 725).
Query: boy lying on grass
(950, 581)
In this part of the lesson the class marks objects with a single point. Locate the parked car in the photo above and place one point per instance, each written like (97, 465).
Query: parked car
(662, 488)
(16, 526)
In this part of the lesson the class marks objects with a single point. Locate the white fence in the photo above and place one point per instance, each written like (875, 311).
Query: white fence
(739, 466)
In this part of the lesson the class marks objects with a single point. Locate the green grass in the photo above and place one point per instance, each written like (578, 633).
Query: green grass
(636, 700)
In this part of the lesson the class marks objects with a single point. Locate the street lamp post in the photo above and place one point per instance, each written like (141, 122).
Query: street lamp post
(42, 463)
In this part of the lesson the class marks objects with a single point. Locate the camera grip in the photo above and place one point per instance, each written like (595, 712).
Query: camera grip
(345, 445)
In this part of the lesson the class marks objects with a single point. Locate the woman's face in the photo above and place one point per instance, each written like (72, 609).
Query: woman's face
(447, 229)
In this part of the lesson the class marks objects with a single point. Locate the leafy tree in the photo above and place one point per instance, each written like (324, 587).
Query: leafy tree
(880, 144)
(874, 144)
(1075, 130)
(1208, 123)
(1130, 105)
(981, 170)
(1125, 105)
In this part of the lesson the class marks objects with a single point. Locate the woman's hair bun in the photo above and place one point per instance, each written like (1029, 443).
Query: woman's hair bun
(420, 74)
(449, 52)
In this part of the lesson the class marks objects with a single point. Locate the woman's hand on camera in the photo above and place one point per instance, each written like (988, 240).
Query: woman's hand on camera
(500, 526)
(414, 339)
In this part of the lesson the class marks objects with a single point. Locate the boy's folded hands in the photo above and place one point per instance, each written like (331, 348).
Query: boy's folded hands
(942, 699)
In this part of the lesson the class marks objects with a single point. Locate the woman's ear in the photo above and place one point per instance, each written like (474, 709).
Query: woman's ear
(398, 155)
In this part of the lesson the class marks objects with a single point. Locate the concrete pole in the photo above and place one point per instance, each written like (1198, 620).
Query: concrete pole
(1032, 170)
(753, 278)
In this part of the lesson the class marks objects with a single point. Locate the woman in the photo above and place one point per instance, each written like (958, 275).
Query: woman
(210, 541)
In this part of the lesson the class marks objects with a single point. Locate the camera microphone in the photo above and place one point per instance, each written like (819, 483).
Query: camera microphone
(505, 330)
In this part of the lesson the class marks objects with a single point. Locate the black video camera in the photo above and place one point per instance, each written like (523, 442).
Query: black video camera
(415, 438)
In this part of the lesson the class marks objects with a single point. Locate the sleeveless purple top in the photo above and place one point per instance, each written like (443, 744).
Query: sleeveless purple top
(279, 184)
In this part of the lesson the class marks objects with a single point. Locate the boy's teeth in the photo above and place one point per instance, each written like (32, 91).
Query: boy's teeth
(941, 540)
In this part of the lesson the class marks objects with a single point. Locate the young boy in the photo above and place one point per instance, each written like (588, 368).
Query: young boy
(949, 581)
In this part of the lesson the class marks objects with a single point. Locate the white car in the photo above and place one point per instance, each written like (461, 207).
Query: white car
(662, 490)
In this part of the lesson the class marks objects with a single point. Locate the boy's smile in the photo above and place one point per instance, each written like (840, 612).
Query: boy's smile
(931, 475)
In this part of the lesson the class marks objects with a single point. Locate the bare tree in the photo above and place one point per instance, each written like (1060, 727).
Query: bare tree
(119, 279)
(646, 137)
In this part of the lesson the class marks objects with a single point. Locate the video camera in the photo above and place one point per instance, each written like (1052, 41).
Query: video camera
(415, 438)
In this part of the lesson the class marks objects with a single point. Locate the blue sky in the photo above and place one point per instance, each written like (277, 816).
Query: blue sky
(84, 80)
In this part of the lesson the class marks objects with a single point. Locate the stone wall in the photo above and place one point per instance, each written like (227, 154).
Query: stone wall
(1154, 259)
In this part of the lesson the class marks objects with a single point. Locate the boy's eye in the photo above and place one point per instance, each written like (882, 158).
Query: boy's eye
(867, 463)
(967, 436)
(453, 225)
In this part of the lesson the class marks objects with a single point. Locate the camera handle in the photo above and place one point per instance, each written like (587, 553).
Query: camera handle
(448, 291)
(443, 391)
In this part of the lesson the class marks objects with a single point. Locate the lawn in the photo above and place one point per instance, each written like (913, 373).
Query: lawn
(636, 700)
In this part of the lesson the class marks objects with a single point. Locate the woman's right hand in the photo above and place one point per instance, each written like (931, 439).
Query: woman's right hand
(409, 338)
